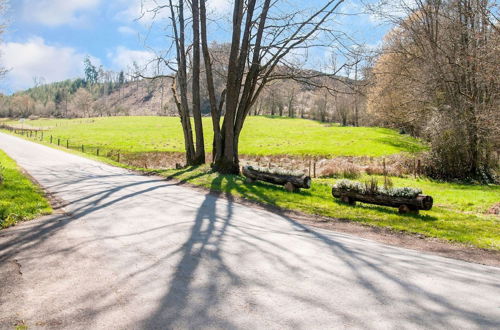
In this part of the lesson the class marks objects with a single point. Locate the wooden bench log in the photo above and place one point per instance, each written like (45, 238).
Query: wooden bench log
(404, 204)
(290, 182)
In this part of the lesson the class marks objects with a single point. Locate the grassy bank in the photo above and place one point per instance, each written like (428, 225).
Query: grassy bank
(458, 214)
(20, 199)
(261, 136)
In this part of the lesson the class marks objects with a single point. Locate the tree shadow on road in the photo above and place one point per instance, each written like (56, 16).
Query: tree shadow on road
(198, 282)
(185, 304)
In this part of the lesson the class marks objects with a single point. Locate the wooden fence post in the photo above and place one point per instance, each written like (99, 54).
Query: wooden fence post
(118, 156)
(58, 141)
(67, 144)
(83, 150)
(51, 139)
(97, 152)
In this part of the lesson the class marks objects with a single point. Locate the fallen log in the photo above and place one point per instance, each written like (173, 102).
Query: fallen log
(290, 181)
(404, 204)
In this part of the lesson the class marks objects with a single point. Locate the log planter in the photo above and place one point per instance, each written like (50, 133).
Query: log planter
(289, 181)
(404, 204)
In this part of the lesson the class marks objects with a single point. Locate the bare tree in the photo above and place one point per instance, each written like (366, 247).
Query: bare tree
(441, 64)
(3, 8)
(82, 102)
(265, 35)
(262, 38)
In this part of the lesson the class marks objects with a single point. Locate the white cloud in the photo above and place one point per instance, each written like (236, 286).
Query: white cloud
(57, 12)
(123, 58)
(35, 58)
(126, 30)
(140, 10)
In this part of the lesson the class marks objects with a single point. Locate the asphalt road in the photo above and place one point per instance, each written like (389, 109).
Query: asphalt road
(138, 252)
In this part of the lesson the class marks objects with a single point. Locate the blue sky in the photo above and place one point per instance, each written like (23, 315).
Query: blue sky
(48, 39)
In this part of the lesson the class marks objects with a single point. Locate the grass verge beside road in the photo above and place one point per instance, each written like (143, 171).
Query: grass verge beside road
(20, 199)
(457, 215)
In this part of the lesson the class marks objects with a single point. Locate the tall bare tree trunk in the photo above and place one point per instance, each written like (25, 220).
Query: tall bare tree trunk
(199, 157)
(215, 111)
(356, 110)
(182, 104)
(227, 163)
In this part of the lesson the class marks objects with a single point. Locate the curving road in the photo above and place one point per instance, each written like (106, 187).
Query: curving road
(138, 252)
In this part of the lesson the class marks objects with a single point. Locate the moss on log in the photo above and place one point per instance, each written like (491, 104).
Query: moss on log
(404, 204)
(282, 179)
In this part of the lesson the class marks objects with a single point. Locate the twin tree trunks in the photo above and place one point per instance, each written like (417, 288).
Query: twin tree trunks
(404, 204)
(291, 182)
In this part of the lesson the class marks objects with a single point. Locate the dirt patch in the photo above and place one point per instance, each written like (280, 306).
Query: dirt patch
(388, 236)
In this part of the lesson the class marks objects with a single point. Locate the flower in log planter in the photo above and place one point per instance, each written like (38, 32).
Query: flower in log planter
(406, 199)
(292, 181)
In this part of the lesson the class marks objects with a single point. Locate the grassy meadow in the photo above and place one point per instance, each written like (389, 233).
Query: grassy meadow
(260, 136)
(20, 199)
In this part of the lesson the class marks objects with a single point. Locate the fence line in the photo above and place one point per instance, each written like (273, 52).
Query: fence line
(38, 134)
(311, 164)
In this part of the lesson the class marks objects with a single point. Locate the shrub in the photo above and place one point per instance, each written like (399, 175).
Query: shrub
(341, 170)
(351, 171)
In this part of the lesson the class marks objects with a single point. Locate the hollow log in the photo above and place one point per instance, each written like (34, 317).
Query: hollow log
(300, 181)
(404, 204)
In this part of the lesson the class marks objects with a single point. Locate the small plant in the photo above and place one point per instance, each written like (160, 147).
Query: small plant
(371, 186)
(278, 171)
(2, 177)
(402, 192)
(349, 185)
(387, 183)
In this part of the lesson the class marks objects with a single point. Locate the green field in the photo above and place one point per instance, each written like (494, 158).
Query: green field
(20, 199)
(260, 136)
(458, 214)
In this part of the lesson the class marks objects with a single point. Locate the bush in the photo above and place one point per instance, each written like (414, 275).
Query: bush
(341, 170)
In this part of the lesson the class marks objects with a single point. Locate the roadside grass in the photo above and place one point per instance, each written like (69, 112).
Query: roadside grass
(456, 215)
(20, 199)
(261, 136)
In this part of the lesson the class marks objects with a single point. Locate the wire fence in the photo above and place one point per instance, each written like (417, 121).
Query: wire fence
(314, 166)
(43, 136)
